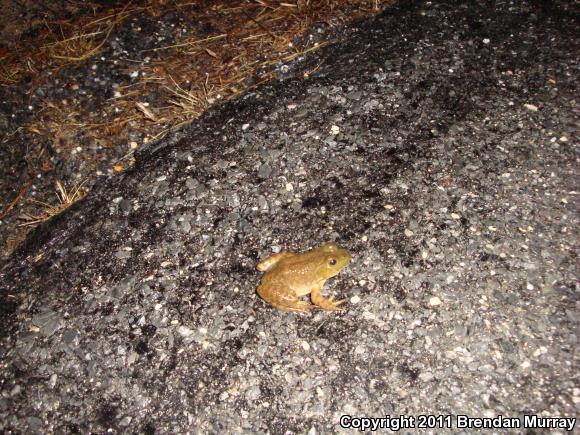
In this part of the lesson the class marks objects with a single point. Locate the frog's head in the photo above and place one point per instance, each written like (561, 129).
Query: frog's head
(332, 260)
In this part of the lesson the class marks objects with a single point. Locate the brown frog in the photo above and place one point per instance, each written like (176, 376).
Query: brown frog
(290, 276)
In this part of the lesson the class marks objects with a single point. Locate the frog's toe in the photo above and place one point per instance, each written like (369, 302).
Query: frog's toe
(335, 305)
(331, 299)
(328, 304)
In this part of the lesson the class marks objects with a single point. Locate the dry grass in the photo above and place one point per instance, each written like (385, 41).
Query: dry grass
(250, 38)
(80, 47)
(62, 43)
(65, 200)
(231, 46)
(192, 102)
(86, 42)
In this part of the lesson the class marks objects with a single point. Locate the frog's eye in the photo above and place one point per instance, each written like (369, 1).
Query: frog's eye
(332, 261)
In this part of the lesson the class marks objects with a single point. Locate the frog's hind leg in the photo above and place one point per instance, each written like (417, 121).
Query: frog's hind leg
(282, 300)
(272, 260)
(326, 304)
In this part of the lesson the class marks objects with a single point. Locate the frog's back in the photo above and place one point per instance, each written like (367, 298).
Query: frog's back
(304, 264)
(292, 269)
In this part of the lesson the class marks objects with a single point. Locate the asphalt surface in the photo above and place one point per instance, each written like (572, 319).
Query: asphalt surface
(438, 143)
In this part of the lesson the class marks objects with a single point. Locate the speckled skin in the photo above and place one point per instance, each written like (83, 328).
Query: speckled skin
(290, 276)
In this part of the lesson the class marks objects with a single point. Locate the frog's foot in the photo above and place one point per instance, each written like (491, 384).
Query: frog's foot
(284, 301)
(297, 306)
(326, 304)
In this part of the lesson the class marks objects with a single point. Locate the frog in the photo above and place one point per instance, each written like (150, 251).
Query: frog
(289, 276)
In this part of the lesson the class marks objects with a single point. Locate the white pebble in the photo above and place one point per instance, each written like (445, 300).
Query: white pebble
(531, 107)
(434, 301)
(184, 331)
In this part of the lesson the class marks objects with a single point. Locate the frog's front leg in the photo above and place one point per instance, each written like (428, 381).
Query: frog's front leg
(283, 299)
(320, 301)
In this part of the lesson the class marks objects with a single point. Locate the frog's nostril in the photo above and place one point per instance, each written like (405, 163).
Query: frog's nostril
(332, 261)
